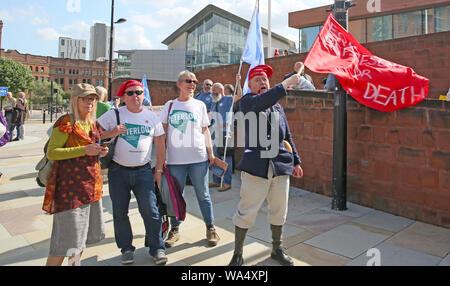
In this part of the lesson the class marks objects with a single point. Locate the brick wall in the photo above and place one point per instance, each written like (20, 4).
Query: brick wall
(398, 162)
(160, 91)
(428, 55)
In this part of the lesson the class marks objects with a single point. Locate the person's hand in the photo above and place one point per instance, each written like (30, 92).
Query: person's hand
(158, 178)
(92, 149)
(238, 78)
(293, 80)
(298, 172)
(212, 159)
(120, 129)
(104, 151)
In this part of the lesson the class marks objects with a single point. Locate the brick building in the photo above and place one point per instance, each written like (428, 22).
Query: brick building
(65, 72)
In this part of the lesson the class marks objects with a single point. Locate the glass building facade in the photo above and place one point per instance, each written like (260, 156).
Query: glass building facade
(215, 41)
(387, 27)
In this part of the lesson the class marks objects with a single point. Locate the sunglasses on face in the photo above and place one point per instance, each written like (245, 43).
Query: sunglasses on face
(138, 92)
(191, 81)
(208, 84)
(88, 99)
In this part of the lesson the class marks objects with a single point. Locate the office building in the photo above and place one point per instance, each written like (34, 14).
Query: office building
(99, 42)
(215, 37)
(71, 48)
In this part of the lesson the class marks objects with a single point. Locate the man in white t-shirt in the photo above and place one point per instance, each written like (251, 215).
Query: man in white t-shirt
(130, 169)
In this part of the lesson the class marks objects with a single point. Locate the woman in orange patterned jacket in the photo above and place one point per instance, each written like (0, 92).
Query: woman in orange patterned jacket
(74, 189)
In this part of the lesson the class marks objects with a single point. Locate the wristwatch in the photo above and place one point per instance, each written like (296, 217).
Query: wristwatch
(159, 171)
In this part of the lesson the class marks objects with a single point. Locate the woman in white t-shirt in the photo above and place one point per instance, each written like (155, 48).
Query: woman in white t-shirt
(189, 150)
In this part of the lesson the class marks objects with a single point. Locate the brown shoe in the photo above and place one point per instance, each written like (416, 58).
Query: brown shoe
(214, 185)
(173, 237)
(224, 188)
(212, 237)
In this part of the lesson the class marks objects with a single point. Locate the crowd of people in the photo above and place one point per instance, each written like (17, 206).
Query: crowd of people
(184, 135)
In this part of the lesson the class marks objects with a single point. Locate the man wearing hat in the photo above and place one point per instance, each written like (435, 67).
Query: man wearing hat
(131, 169)
(265, 176)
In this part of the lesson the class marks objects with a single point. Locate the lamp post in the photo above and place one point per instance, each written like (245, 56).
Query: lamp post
(120, 21)
(339, 192)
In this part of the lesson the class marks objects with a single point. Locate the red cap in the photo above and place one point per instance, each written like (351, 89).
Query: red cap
(127, 85)
(261, 70)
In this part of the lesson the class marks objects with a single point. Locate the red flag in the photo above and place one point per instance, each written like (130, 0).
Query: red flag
(372, 81)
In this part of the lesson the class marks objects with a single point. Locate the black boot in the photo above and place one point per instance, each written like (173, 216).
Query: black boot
(237, 260)
(278, 252)
(239, 237)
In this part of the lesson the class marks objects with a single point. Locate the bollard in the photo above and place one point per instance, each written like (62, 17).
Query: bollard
(43, 117)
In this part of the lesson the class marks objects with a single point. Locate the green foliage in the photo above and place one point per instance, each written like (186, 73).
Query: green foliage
(14, 75)
(41, 94)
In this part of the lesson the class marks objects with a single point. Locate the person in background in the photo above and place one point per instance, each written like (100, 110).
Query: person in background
(18, 119)
(102, 104)
(75, 187)
(22, 95)
(205, 94)
(189, 151)
(299, 66)
(9, 111)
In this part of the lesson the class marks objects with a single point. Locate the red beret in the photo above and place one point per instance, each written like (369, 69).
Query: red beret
(127, 85)
(261, 70)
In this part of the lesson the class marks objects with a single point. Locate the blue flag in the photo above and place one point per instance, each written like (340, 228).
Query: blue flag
(147, 100)
(254, 49)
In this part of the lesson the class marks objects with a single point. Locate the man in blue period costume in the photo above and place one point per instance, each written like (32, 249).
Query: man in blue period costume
(265, 178)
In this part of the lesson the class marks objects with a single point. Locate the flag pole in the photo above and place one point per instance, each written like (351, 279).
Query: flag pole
(234, 95)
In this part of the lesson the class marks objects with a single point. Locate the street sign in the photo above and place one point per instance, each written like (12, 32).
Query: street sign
(3, 91)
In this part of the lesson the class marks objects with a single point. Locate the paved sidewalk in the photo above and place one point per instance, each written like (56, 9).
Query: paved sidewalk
(314, 234)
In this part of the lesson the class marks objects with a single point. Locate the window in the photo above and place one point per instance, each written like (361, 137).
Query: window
(48, 79)
(31, 68)
(407, 24)
(36, 78)
(61, 81)
(42, 69)
(62, 54)
(75, 81)
(70, 71)
(42, 78)
(89, 81)
(70, 81)
(307, 38)
(442, 19)
(97, 83)
(83, 50)
(62, 42)
(84, 80)
(56, 80)
(379, 28)
(358, 29)
(36, 69)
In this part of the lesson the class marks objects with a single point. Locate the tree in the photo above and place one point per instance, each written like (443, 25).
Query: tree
(14, 75)
(41, 94)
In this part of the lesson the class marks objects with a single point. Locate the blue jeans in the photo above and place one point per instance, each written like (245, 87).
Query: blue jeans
(11, 130)
(121, 181)
(227, 177)
(199, 174)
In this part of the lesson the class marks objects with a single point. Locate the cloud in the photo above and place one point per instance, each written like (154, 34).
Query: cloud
(47, 34)
(134, 37)
(35, 14)
(78, 30)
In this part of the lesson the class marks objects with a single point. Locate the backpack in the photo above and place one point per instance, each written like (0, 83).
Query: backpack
(45, 165)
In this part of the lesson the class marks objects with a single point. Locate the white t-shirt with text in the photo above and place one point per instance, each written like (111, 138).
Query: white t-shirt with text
(186, 141)
(134, 148)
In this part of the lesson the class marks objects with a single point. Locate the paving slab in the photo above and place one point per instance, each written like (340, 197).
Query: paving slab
(318, 220)
(391, 255)
(445, 261)
(349, 240)
(425, 238)
(353, 210)
(385, 221)
(316, 257)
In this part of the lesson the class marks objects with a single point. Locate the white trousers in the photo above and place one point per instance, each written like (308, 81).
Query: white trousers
(254, 191)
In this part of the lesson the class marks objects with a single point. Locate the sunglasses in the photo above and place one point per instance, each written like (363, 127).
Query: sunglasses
(88, 99)
(138, 92)
(208, 84)
(191, 81)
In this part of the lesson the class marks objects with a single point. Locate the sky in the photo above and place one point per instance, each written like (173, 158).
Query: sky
(33, 26)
